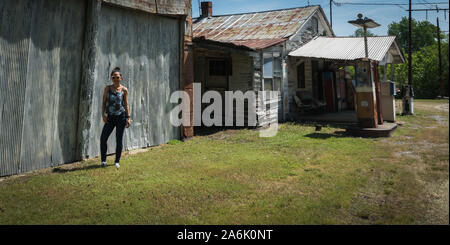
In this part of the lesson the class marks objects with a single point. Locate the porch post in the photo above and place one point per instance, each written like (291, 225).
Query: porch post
(187, 79)
(392, 72)
(285, 88)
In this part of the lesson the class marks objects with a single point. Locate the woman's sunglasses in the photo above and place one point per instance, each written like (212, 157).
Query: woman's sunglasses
(115, 77)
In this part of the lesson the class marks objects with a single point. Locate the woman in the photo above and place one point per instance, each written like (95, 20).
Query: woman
(115, 103)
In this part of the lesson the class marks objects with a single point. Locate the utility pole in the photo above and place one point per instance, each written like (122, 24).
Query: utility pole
(409, 46)
(408, 94)
(331, 14)
(441, 93)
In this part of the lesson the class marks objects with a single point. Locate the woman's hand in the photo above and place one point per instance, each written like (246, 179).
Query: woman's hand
(128, 123)
(105, 118)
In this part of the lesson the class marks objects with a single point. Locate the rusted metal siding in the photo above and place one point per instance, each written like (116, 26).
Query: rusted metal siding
(187, 69)
(147, 48)
(166, 7)
(268, 25)
(41, 57)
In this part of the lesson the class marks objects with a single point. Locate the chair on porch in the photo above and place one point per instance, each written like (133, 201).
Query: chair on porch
(305, 103)
(319, 105)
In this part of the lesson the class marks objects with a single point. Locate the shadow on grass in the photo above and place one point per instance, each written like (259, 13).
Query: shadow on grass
(340, 125)
(205, 131)
(324, 136)
(90, 167)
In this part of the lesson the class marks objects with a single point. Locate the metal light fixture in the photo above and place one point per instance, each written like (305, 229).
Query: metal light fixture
(364, 23)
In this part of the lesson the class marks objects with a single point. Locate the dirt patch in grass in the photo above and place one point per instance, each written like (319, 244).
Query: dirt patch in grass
(438, 194)
(442, 107)
(411, 187)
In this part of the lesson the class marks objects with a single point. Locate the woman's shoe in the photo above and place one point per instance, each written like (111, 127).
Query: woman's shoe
(117, 165)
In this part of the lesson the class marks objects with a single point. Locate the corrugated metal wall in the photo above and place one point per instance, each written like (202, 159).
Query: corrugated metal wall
(40, 48)
(14, 43)
(147, 49)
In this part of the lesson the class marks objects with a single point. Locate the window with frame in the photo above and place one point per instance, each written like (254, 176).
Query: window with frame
(272, 71)
(268, 65)
(219, 67)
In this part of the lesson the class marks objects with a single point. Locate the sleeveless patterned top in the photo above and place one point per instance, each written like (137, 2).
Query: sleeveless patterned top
(114, 102)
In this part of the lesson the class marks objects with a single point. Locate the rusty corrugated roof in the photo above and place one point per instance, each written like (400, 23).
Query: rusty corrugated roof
(169, 7)
(255, 30)
(348, 48)
(259, 43)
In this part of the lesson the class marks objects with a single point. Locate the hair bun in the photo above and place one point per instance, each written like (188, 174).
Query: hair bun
(117, 69)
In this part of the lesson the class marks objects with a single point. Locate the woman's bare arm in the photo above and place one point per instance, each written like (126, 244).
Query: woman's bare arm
(104, 100)
(125, 102)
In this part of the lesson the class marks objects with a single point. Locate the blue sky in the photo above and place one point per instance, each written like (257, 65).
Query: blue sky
(384, 15)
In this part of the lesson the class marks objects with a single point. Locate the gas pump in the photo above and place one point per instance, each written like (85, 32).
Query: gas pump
(365, 95)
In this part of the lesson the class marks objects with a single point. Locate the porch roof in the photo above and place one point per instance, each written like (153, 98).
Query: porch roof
(381, 48)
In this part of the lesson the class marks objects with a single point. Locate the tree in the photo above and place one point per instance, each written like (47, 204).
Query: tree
(360, 33)
(425, 71)
(423, 33)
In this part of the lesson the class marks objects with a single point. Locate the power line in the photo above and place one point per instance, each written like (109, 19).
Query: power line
(400, 5)
(428, 3)
(384, 4)
(431, 9)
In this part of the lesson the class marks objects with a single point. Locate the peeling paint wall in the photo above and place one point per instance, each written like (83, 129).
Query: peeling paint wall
(293, 81)
(304, 35)
(241, 78)
(246, 76)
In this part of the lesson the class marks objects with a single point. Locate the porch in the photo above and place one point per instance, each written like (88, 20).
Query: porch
(331, 81)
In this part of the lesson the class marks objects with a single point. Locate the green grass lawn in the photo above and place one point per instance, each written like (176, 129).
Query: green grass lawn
(235, 177)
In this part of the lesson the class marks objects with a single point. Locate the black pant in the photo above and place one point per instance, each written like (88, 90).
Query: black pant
(113, 121)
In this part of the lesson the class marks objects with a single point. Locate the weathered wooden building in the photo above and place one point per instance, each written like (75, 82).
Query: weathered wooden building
(249, 52)
(292, 51)
(55, 60)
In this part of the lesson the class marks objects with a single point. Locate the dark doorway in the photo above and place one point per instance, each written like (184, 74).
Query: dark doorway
(317, 82)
